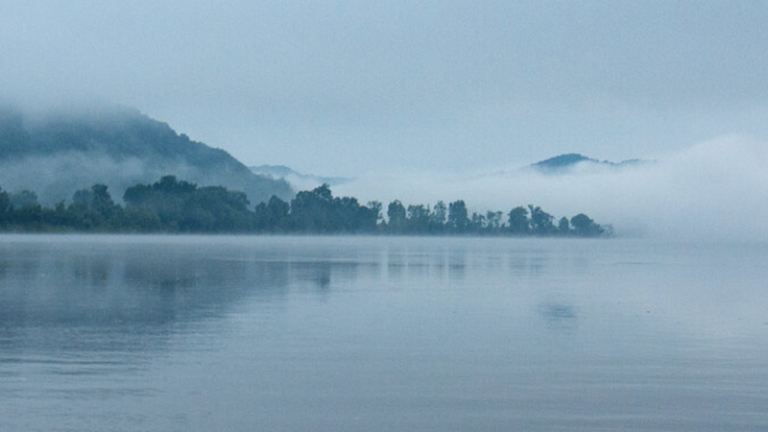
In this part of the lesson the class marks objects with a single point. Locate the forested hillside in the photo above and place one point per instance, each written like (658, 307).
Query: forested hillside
(60, 151)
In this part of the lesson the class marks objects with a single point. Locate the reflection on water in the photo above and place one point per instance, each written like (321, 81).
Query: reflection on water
(157, 285)
(558, 314)
(280, 333)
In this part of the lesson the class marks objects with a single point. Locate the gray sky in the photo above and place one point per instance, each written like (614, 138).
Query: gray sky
(345, 88)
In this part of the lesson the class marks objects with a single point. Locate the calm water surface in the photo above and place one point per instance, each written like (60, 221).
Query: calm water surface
(109, 333)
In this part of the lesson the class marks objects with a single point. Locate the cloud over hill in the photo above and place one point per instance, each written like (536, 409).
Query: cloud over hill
(55, 152)
(715, 189)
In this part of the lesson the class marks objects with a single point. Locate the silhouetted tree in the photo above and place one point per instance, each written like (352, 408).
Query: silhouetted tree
(376, 208)
(493, 220)
(541, 221)
(396, 214)
(584, 226)
(478, 223)
(418, 219)
(182, 206)
(458, 219)
(94, 209)
(438, 217)
(272, 216)
(311, 211)
(518, 221)
(352, 217)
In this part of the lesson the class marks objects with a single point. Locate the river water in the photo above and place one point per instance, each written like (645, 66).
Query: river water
(186, 333)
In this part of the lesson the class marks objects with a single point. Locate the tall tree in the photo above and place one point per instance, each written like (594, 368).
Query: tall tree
(541, 221)
(478, 223)
(458, 216)
(418, 218)
(397, 215)
(438, 216)
(376, 208)
(519, 224)
(493, 220)
(311, 211)
(584, 226)
(272, 216)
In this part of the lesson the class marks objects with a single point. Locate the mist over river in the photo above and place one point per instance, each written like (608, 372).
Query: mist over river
(248, 333)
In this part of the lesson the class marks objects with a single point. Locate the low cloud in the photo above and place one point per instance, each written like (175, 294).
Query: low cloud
(55, 178)
(716, 189)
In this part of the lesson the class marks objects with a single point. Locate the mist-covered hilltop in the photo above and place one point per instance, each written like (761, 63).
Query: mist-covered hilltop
(58, 152)
(565, 162)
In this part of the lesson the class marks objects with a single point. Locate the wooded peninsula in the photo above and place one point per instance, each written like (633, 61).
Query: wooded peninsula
(176, 206)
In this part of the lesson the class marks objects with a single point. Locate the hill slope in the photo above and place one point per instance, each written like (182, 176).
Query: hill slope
(55, 154)
(565, 162)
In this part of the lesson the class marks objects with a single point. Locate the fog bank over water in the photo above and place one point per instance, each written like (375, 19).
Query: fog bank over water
(715, 189)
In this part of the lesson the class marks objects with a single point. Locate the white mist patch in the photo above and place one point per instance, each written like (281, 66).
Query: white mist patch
(55, 178)
(300, 183)
(716, 189)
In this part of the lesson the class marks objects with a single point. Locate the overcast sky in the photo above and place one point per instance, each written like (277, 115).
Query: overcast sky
(344, 88)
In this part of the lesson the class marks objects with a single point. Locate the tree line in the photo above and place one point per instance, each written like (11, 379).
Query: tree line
(176, 206)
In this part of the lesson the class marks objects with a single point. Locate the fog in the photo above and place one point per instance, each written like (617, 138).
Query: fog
(716, 189)
(56, 178)
(345, 87)
(458, 95)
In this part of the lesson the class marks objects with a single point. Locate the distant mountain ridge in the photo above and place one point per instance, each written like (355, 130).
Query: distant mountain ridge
(565, 162)
(56, 153)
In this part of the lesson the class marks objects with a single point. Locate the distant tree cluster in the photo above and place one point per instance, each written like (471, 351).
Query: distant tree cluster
(174, 206)
(168, 205)
(317, 211)
(454, 219)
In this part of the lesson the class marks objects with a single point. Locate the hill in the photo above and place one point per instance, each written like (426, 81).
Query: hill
(565, 162)
(58, 152)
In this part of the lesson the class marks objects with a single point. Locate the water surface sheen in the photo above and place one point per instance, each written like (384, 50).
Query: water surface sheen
(110, 333)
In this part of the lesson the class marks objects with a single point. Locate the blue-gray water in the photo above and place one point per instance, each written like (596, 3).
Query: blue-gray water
(106, 333)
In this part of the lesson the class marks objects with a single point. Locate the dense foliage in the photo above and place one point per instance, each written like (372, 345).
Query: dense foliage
(174, 206)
